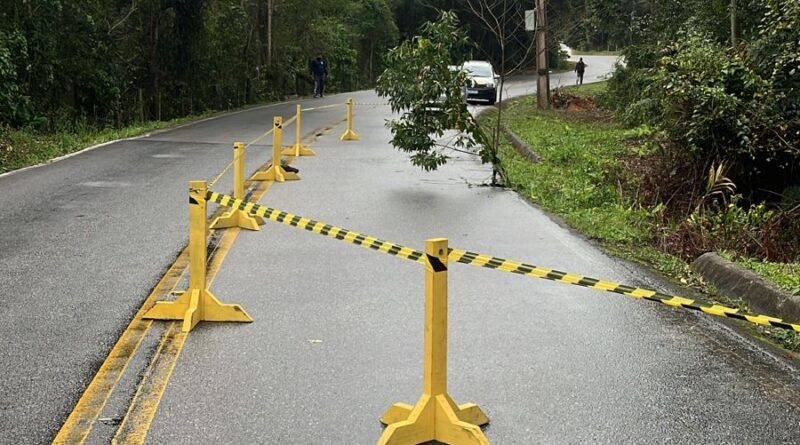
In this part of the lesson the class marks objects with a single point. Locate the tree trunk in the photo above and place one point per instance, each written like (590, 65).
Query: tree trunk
(270, 10)
(371, 56)
(734, 26)
(154, 65)
(543, 77)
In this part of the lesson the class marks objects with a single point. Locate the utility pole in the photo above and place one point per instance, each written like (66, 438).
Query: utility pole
(543, 74)
(270, 10)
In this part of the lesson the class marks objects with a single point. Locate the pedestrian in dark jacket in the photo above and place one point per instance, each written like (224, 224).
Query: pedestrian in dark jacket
(580, 68)
(319, 69)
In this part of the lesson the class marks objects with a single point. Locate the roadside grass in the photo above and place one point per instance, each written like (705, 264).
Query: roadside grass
(785, 275)
(24, 147)
(587, 89)
(21, 148)
(571, 181)
(581, 154)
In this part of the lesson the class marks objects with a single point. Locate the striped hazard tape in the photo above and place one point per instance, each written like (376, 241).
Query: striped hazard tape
(491, 262)
(479, 260)
(328, 230)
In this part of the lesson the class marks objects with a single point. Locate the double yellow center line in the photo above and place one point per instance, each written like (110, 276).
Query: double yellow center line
(142, 409)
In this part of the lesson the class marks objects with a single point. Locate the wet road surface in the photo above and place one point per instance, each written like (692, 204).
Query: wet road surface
(338, 331)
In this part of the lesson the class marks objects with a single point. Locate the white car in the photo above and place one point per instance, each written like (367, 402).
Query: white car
(482, 81)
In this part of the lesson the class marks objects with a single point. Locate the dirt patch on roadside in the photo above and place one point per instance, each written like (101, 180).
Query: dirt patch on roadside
(579, 108)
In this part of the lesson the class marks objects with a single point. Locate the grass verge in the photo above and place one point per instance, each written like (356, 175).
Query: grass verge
(581, 154)
(21, 148)
(785, 275)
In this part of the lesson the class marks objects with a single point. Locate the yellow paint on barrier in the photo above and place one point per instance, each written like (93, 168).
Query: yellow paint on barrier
(144, 405)
(276, 172)
(640, 293)
(81, 420)
(349, 134)
(435, 416)
(197, 303)
(236, 217)
(298, 149)
(496, 263)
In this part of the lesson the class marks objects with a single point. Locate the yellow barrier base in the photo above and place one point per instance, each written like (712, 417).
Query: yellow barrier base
(194, 306)
(278, 174)
(350, 135)
(434, 418)
(237, 218)
(298, 150)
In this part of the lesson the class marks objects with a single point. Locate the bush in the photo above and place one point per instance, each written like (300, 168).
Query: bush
(720, 107)
(16, 105)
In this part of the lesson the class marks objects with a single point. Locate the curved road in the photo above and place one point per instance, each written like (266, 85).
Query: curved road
(338, 331)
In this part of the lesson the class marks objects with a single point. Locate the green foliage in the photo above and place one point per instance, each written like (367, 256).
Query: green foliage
(336, 43)
(574, 179)
(21, 148)
(115, 62)
(786, 275)
(13, 49)
(731, 226)
(66, 66)
(714, 104)
(777, 55)
(577, 180)
(419, 83)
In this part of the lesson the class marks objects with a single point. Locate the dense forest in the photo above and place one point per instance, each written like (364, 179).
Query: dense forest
(112, 63)
(718, 82)
(118, 61)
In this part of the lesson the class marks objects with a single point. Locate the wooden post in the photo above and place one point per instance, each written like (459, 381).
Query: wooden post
(542, 68)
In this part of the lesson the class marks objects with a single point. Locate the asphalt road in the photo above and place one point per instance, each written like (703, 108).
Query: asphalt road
(83, 242)
(338, 331)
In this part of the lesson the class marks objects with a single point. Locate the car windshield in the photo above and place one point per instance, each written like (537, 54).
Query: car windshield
(478, 70)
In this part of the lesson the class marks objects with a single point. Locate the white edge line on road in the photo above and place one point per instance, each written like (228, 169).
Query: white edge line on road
(141, 136)
(161, 131)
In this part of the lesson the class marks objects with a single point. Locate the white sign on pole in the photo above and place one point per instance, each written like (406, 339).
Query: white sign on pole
(530, 20)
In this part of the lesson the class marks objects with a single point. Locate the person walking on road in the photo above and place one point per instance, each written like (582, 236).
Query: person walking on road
(319, 68)
(580, 68)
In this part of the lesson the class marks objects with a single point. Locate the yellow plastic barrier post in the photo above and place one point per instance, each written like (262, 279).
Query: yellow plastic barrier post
(238, 217)
(276, 172)
(435, 416)
(197, 303)
(349, 134)
(298, 149)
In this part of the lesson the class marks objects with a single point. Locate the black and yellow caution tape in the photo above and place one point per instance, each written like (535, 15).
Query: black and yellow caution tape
(487, 261)
(328, 230)
(491, 262)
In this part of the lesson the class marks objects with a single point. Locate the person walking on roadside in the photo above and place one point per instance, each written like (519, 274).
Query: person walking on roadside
(319, 68)
(580, 68)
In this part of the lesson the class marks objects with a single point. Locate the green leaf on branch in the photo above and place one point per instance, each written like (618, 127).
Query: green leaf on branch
(423, 81)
